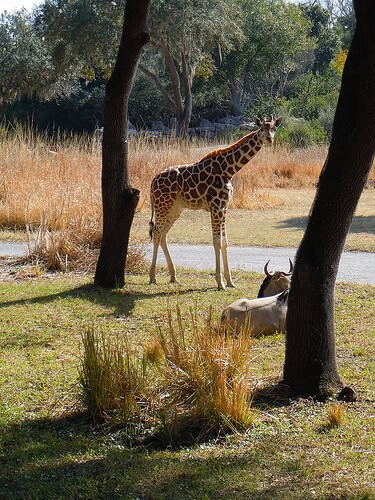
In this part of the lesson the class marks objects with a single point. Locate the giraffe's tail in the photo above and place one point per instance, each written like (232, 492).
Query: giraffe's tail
(151, 223)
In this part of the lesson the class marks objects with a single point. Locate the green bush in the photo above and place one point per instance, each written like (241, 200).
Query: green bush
(299, 133)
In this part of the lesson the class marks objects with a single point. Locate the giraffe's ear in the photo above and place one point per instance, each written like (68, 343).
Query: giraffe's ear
(257, 121)
(278, 121)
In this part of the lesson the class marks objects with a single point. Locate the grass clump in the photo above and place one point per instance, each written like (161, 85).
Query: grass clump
(200, 380)
(111, 377)
(205, 386)
(336, 414)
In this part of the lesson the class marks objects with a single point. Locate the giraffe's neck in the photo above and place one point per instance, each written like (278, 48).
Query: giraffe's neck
(232, 159)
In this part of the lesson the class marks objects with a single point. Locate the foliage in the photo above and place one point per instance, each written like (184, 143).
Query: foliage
(276, 38)
(206, 60)
(312, 93)
(325, 34)
(301, 133)
(27, 66)
(68, 29)
(339, 61)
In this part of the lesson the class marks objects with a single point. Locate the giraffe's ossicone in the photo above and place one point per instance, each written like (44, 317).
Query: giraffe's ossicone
(204, 185)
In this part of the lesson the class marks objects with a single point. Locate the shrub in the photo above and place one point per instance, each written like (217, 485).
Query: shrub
(299, 133)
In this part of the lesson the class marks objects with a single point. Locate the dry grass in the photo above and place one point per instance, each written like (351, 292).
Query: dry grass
(59, 183)
(200, 379)
(205, 376)
(336, 414)
(56, 185)
(111, 377)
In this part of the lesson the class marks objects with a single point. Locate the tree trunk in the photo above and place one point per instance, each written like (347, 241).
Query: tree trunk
(119, 198)
(235, 98)
(183, 120)
(310, 360)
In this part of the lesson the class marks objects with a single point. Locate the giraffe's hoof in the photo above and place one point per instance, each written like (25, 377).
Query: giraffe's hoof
(152, 282)
(221, 286)
(174, 282)
(231, 284)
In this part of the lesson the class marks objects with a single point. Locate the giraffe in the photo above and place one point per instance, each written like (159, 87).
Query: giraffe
(204, 185)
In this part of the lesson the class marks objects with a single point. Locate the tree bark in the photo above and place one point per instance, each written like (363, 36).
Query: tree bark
(310, 359)
(119, 198)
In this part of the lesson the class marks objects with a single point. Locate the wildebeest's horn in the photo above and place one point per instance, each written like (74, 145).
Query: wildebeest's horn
(266, 272)
(291, 267)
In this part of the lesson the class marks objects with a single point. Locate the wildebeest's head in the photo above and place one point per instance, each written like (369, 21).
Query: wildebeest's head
(275, 282)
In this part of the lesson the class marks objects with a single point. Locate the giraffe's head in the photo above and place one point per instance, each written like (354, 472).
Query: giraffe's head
(268, 127)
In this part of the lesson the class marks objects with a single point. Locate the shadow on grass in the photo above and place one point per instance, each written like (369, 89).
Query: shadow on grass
(120, 301)
(360, 224)
(70, 458)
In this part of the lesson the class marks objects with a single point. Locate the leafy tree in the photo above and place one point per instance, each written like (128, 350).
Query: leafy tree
(324, 33)
(27, 67)
(183, 32)
(81, 34)
(276, 40)
(310, 360)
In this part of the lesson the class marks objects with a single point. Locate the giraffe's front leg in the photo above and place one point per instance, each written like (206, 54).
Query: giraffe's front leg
(224, 249)
(216, 237)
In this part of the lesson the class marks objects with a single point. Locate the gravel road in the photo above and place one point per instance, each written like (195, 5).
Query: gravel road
(355, 267)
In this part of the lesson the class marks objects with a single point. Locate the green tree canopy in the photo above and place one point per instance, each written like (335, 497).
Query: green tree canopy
(27, 66)
(276, 41)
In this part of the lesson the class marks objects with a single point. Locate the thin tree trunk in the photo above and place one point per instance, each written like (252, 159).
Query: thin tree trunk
(119, 198)
(183, 121)
(235, 98)
(310, 360)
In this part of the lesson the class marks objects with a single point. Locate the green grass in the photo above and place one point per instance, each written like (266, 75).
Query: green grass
(49, 450)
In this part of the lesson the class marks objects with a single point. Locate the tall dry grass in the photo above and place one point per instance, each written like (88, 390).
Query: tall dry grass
(205, 376)
(56, 184)
(191, 380)
(111, 377)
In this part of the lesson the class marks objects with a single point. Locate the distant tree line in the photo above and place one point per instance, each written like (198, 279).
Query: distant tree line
(205, 59)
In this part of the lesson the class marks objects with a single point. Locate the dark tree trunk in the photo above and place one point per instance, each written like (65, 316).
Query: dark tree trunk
(119, 198)
(310, 360)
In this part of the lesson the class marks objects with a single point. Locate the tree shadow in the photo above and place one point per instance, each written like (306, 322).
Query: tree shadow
(360, 223)
(72, 458)
(120, 301)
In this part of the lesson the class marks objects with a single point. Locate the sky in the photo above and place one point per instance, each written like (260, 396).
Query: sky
(11, 5)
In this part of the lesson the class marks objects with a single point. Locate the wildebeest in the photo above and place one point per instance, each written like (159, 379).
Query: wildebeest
(262, 316)
(275, 282)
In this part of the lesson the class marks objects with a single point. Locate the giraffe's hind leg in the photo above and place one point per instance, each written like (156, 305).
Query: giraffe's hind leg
(156, 239)
(164, 245)
(217, 240)
(161, 228)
